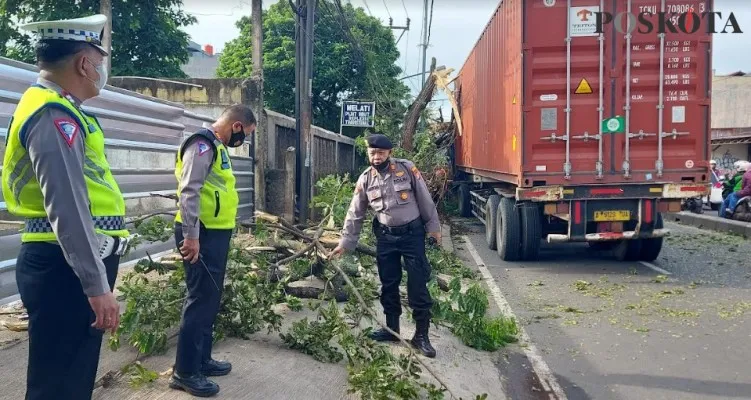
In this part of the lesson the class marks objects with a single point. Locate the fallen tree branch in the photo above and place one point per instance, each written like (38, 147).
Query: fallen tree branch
(113, 375)
(147, 216)
(327, 255)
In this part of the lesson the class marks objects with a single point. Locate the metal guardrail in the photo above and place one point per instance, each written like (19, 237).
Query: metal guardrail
(143, 135)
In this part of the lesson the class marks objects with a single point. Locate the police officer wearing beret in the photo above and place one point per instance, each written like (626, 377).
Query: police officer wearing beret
(405, 211)
(56, 176)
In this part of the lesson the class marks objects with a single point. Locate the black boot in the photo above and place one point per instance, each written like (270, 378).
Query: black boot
(213, 367)
(197, 385)
(421, 341)
(382, 335)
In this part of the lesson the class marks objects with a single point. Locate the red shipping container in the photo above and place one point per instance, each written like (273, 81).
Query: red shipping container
(523, 75)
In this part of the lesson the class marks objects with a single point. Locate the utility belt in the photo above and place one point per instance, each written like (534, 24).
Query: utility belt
(108, 245)
(415, 226)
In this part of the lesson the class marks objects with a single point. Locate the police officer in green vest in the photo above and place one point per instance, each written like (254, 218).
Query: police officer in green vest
(203, 229)
(55, 175)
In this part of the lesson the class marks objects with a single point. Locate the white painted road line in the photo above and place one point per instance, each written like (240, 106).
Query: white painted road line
(546, 377)
(654, 267)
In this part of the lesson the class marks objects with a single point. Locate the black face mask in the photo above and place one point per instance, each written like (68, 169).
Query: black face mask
(237, 138)
(382, 166)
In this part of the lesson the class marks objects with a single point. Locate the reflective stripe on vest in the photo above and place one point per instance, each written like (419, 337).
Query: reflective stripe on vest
(218, 199)
(21, 191)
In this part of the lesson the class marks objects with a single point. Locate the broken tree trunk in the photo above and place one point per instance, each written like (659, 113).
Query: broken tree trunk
(416, 109)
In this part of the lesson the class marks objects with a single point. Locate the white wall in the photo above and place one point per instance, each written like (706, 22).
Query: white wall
(727, 154)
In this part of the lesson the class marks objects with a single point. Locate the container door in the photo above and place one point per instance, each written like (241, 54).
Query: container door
(567, 91)
(661, 125)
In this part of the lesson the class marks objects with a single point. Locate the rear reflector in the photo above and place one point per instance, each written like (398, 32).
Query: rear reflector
(606, 191)
(578, 212)
(648, 211)
(693, 188)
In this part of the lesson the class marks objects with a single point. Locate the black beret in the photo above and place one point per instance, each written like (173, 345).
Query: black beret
(379, 141)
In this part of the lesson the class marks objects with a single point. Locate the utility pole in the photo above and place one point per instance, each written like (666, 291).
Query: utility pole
(105, 7)
(299, 64)
(306, 111)
(402, 28)
(424, 39)
(261, 147)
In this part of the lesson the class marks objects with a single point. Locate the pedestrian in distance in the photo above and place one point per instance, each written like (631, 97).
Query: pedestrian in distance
(205, 221)
(404, 212)
(56, 176)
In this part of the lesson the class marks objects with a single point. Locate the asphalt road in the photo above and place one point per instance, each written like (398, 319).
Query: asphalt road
(621, 330)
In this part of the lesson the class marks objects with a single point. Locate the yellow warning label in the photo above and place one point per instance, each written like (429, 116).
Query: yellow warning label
(513, 101)
(513, 143)
(583, 87)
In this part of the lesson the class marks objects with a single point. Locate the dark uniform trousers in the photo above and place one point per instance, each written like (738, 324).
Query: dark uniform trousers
(393, 244)
(63, 346)
(201, 307)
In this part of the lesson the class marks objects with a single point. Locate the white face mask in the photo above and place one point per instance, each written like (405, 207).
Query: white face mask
(102, 75)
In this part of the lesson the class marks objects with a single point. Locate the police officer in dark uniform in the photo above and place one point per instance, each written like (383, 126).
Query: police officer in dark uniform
(405, 212)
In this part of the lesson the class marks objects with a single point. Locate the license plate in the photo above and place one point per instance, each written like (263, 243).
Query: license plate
(612, 215)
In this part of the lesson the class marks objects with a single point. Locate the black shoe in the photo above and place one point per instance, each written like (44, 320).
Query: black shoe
(421, 341)
(215, 368)
(382, 335)
(197, 385)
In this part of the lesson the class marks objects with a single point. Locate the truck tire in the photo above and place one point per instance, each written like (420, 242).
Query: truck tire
(508, 230)
(531, 230)
(627, 250)
(650, 248)
(465, 201)
(491, 206)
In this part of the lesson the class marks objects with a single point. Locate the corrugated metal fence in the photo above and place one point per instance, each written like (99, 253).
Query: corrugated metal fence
(143, 134)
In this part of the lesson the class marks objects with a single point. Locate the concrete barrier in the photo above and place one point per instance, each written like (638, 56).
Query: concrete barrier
(711, 222)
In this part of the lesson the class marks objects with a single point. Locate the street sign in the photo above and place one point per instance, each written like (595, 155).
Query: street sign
(360, 114)
(614, 125)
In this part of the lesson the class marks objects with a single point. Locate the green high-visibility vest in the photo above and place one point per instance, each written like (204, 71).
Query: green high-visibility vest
(21, 190)
(218, 196)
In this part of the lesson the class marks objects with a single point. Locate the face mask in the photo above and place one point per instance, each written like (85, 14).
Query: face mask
(382, 166)
(237, 138)
(102, 76)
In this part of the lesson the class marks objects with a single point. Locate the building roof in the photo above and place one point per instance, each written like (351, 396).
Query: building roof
(731, 101)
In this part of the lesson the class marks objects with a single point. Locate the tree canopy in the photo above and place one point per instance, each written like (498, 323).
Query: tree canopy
(146, 39)
(354, 57)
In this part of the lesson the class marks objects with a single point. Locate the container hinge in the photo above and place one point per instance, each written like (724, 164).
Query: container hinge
(567, 170)
(659, 166)
(553, 137)
(586, 136)
(598, 167)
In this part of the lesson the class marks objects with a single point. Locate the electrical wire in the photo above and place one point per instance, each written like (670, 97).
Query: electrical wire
(387, 8)
(430, 24)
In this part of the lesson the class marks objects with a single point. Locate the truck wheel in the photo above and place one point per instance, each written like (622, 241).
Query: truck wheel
(650, 248)
(508, 230)
(491, 206)
(627, 250)
(465, 201)
(531, 229)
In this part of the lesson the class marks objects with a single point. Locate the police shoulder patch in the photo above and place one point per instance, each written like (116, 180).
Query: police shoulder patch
(203, 148)
(67, 129)
(415, 172)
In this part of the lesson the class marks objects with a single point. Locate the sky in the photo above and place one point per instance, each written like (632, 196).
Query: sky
(456, 26)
